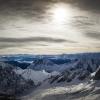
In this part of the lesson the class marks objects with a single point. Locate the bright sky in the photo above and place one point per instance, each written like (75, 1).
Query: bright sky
(49, 29)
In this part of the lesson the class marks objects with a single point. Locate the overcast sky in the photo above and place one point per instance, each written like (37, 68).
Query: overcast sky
(49, 26)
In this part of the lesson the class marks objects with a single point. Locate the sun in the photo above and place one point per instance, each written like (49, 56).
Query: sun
(60, 14)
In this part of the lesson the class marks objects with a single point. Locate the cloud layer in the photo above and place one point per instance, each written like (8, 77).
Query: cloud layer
(33, 39)
(26, 26)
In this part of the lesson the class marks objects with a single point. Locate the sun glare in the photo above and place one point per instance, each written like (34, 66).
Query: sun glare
(60, 13)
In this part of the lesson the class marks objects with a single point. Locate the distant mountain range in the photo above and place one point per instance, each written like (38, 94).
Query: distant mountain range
(52, 62)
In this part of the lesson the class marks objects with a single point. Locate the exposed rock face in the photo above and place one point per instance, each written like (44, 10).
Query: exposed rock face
(11, 83)
(97, 74)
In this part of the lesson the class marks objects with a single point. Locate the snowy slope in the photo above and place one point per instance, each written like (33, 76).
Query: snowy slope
(36, 76)
(78, 91)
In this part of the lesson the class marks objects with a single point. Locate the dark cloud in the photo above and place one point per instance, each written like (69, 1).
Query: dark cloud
(25, 8)
(94, 35)
(4, 46)
(11, 45)
(82, 21)
(92, 5)
(34, 39)
(37, 8)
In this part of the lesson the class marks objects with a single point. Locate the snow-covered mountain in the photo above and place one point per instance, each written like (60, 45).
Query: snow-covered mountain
(77, 90)
(36, 76)
(18, 75)
(12, 83)
(49, 65)
(70, 67)
(41, 64)
(81, 70)
(16, 81)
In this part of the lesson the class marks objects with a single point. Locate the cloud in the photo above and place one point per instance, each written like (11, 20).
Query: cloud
(27, 8)
(88, 4)
(34, 39)
(4, 45)
(7, 45)
(39, 5)
(36, 8)
(94, 35)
